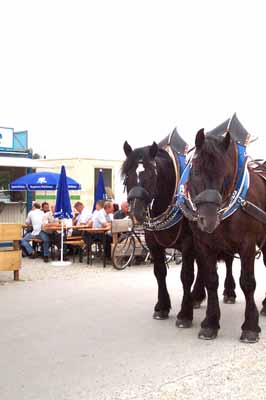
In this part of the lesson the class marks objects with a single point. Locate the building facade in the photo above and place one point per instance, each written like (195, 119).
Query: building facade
(15, 161)
(85, 171)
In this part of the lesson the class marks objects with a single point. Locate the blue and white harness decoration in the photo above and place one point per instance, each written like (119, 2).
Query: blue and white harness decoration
(173, 214)
(237, 197)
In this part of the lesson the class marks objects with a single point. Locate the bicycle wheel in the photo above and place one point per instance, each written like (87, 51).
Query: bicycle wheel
(123, 252)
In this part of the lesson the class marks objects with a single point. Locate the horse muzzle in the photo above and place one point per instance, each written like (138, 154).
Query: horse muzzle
(138, 199)
(208, 204)
(138, 192)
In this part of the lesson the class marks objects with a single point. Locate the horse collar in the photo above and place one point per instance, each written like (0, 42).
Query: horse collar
(242, 184)
(172, 215)
(237, 197)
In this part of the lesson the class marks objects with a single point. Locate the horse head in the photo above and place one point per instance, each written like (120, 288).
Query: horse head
(140, 173)
(211, 174)
(149, 178)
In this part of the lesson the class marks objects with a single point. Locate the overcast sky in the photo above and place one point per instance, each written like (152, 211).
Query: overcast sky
(84, 76)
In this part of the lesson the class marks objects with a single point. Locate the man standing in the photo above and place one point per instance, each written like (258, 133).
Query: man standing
(35, 218)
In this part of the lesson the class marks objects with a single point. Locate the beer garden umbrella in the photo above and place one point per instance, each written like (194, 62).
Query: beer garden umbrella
(100, 193)
(62, 208)
(42, 181)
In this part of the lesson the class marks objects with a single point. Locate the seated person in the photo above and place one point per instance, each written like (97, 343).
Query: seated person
(35, 218)
(115, 207)
(81, 217)
(49, 221)
(83, 214)
(45, 207)
(123, 212)
(102, 219)
(98, 206)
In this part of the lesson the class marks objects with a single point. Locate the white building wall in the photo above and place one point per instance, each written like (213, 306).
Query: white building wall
(82, 170)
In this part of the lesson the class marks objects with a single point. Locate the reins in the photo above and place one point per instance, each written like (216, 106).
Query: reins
(168, 244)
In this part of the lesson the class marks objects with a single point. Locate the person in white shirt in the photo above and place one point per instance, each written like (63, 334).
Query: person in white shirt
(82, 218)
(48, 213)
(84, 214)
(103, 219)
(35, 218)
(49, 222)
(98, 207)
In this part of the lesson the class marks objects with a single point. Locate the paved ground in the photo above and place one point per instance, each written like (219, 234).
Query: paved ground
(81, 332)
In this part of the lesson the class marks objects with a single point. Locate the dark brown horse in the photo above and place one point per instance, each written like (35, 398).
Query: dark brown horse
(151, 181)
(211, 190)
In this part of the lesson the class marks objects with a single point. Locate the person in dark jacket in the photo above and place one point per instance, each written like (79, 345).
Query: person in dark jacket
(123, 212)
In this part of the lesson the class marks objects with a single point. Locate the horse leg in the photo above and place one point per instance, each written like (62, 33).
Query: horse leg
(250, 327)
(198, 292)
(163, 305)
(185, 315)
(229, 283)
(210, 325)
(263, 310)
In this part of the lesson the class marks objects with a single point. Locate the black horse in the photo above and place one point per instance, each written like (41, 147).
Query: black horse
(222, 193)
(151, 180)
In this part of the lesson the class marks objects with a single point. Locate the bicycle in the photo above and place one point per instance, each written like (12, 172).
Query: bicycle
(173, 255)
(131, 245)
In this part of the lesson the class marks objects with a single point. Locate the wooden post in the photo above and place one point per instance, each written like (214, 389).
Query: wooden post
(16, 246)
(10, 254)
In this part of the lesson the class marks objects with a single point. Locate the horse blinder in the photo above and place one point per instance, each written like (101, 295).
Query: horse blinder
(138, 192)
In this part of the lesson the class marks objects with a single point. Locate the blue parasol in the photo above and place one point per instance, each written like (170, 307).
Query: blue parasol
(62, 205)
(100, 193)
(42, 181)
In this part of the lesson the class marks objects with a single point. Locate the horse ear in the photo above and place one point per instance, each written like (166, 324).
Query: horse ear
(200, 137)
(153, 150)
(127, 148)
(227, 141)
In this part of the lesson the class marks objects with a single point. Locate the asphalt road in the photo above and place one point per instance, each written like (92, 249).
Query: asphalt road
(87, 333)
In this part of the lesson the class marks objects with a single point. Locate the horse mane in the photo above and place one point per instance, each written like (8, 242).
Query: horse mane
(210, 157)
(138, 154)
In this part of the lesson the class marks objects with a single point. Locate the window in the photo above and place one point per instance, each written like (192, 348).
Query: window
(7, 175)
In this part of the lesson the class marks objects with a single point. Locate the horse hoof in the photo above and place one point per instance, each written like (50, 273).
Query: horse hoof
(263, 311)
(249, 337)
(207, 333)
(196, 304)
(229, 300)
(183, 323)
(163, 314)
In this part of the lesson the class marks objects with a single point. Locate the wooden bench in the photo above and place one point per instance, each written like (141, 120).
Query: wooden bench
(35, 243)
(10, 253)
(77, 243)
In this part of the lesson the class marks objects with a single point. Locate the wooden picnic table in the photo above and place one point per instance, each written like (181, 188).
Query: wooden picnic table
(89, 233)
